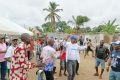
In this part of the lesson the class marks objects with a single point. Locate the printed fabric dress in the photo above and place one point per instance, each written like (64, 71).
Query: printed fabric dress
(20, 64)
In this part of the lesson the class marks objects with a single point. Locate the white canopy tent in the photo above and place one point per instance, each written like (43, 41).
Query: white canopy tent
(11, 28)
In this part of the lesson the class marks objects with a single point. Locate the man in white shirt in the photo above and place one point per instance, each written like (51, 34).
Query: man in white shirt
(10, 52)
(72, 56)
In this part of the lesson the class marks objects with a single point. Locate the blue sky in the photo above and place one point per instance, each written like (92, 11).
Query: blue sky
(30, 12)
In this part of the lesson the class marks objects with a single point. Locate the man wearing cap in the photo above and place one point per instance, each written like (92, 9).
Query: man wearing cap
(114, 61)
(10, 52)
(3, 62)
(72, 56)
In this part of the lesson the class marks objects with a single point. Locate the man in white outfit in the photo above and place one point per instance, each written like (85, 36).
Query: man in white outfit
(72, 56)
(10, 52)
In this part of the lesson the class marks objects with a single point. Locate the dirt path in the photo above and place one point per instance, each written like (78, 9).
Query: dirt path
(86, 71)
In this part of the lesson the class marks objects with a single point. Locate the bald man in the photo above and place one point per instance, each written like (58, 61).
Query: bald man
(19, 61)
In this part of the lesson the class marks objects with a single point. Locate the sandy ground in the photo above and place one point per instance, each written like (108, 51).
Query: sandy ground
(86, 71)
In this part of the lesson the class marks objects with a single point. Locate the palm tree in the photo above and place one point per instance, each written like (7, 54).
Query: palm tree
(52, 16)
(78, 21)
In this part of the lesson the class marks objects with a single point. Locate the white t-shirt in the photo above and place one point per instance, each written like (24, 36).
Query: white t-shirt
(9, 54)
(72, 51)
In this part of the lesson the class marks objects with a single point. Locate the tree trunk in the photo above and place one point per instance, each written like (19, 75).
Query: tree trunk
(53, 23)
(77, 29)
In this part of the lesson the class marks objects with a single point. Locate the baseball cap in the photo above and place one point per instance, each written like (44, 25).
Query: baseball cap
(74, 37)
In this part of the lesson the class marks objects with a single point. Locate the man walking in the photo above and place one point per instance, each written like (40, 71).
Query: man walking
(101, 55)
(72, 56)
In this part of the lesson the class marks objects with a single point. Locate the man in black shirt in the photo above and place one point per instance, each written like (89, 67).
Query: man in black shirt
(101, 55)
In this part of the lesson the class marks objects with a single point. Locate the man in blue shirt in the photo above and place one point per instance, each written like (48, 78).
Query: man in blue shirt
(114, 61)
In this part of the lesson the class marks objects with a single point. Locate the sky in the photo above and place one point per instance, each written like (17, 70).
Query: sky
(30, 12)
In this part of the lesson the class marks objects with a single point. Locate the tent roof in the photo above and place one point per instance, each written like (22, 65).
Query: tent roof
(11, 28)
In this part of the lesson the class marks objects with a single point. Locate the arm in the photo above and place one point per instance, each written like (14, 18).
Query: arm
(96, 51)
(108, 65)
(8, 59)
(82, 47)
(108, 53)
(3, 51)
(8, 54)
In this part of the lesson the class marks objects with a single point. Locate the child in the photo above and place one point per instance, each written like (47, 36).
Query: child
(62, 60)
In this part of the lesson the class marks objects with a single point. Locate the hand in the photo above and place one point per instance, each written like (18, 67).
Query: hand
(106, 59)
(41, 65)
(107, 69)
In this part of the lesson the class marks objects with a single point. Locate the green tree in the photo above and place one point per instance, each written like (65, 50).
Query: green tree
(88, 29)
(52, 16)
(98, 29)
(61, 26)
(78, 21)
(118, 30)
(110, 27)
(47, 27)
(38, 28)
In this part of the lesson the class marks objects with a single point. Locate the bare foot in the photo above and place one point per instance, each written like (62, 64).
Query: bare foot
(96, 74)
(65, 74)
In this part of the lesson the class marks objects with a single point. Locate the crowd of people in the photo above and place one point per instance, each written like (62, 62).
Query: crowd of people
(17, 56)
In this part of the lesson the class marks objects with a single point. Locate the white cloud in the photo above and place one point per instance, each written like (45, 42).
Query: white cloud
(30, 12)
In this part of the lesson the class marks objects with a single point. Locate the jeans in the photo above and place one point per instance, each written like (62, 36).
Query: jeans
(3, 69)
(100, 61)
(114, 75)
(71, 68)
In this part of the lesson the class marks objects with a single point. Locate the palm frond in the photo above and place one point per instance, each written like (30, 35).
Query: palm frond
(48, 17)
(46, 9)
(58, 17)
(72, 22)
(74, 18)
(58, 10)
